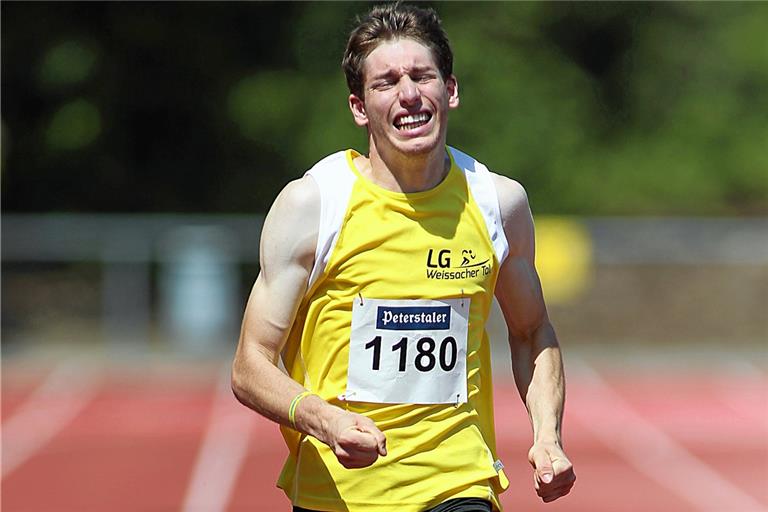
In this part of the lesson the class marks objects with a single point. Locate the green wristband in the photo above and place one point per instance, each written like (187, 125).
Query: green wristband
(294, 403)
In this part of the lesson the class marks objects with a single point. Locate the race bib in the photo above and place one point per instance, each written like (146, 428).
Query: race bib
(408, 351)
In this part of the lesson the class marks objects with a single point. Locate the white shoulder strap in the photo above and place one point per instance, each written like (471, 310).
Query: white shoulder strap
(335, 180)
(483, 191)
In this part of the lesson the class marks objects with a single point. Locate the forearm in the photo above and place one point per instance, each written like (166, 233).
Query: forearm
(535, 352)
(538, 370)
(260, 385)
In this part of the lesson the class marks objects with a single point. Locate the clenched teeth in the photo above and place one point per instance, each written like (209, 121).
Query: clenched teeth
(412, 121)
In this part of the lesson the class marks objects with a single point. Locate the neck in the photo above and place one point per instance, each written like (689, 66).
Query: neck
(405, 173)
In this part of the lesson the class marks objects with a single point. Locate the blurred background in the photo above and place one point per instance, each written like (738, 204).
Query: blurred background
(142, 144)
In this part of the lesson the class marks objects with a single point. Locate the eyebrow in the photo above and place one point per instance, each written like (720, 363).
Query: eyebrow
(391, 72)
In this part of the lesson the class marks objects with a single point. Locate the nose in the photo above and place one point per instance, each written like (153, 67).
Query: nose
(409, 91)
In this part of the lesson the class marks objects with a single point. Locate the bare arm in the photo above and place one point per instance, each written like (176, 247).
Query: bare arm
(535, 351)
(287, 254)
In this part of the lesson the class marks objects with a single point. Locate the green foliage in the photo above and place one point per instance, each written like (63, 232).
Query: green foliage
(74, 126)
(66, 63)
(597, 108)
(684, 133)
(264, 105)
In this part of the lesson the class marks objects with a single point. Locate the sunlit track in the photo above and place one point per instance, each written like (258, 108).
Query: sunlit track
(178, 440)
(221, 454)
(51, 407)
(753, 402)
(654, 453)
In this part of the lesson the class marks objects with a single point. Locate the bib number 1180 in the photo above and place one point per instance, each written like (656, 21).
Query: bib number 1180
(425, 359)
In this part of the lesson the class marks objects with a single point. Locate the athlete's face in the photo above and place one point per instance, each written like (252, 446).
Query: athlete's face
(406, 100)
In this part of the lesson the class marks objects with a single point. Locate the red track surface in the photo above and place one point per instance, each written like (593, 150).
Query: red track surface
(640, 442)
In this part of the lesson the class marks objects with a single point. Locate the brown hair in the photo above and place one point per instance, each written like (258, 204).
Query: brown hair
(391, 21)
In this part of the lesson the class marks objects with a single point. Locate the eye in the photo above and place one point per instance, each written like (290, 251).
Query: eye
(382, 85)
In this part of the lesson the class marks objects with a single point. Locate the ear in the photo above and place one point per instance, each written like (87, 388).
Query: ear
(357, 106)
(452, 85)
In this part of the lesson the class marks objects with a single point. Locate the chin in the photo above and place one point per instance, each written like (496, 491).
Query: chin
(417, 147)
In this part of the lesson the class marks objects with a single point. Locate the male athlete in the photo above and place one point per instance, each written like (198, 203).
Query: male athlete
(378, 272)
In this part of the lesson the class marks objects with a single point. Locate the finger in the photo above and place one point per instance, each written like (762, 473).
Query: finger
(568, 478)
(543, 465)
(360, 440)
(366, 425)
(558, 481)
(381, 442)
(355, 463)
(380, 439)
(548, 495)
(360, 461)
(543, 489)
(560, 489)
(548, 498)
(563, 470)
(351, 457)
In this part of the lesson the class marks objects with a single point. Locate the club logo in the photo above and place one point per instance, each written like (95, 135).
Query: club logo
(439, 265)
(466, 256)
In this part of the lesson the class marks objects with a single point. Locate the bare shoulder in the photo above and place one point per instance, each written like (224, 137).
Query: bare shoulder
(299, 196)
(515, 215)
(513, 200)
(290, 229)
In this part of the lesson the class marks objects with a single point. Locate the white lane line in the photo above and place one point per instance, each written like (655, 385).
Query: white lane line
(47, 411)
(653, 452)
(221, 454)
(748, 396)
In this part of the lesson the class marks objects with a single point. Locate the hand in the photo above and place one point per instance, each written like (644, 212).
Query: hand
(356, 440)
(553, 475)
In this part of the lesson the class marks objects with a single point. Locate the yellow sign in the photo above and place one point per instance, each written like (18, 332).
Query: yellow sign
(563, 258)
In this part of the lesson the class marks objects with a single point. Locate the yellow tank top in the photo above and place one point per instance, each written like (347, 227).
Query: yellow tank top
(412, 257)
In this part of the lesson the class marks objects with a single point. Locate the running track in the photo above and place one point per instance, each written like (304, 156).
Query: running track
(170, 437)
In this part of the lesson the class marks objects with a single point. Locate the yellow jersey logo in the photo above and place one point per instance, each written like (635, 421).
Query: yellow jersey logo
(440, 265)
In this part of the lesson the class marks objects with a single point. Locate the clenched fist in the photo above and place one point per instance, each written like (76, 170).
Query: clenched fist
(355, 440)
(553, 475)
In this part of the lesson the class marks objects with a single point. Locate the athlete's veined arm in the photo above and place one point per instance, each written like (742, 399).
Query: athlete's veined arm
(536, 359)
(287, 252)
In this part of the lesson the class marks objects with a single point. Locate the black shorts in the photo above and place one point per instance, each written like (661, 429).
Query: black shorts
(455, 505)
